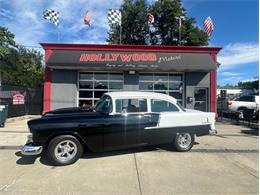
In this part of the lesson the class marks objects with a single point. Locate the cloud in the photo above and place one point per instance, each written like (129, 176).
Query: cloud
(249, 80)
(24, 19)
(237, 54)
(5, 13)
(231, 80)
(229, 74)
(228, 77)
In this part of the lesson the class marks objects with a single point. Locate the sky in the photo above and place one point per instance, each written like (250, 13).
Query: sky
(236, 28)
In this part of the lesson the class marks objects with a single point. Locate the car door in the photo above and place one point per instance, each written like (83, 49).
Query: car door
(124, 128)
(155, 134)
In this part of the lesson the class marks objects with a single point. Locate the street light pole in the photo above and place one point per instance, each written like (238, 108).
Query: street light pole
(180, 18)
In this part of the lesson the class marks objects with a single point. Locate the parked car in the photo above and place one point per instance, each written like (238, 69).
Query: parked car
(118, 120)
(242, 103)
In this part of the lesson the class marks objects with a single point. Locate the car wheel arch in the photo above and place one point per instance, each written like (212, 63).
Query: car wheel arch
(72, 133)
(241, 108)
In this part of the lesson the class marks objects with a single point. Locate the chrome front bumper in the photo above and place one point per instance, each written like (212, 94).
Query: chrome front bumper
(213, 132)
(29, 148)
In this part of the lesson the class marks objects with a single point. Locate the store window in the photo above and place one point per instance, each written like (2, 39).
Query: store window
(92, 85)
(167, 83)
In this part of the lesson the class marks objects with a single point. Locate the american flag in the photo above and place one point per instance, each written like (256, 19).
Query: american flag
(150, 19)
(87, 18)
(208, 26)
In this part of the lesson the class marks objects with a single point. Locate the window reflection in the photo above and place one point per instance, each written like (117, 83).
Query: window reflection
(86, 76)
(160, 77)
(101, 85)
(93, 85)
(171, 84)
(146, 77)
(160, 86)
(115, 85)
(101, 76)
(86, 85)
(146, 85)
(175, 77)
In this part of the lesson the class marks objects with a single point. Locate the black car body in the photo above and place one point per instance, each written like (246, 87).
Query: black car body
(114, 123)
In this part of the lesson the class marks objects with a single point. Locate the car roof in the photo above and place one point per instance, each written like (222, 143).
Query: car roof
(139, 94)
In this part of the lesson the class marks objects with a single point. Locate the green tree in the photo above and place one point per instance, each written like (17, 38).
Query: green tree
(249, 84)
(6, 41)
(165, 30)
(18, 65)
(134, 24)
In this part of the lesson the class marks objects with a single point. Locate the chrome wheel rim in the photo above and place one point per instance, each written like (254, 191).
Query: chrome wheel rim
(184, 140)
(65, 150)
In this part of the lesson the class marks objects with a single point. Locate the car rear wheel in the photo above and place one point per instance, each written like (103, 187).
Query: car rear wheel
(64, 150)
(183, 142)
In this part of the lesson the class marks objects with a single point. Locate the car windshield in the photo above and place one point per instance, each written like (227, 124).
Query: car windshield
(104, 105)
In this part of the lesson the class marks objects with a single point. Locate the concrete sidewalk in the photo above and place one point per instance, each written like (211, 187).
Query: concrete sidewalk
(15, 132)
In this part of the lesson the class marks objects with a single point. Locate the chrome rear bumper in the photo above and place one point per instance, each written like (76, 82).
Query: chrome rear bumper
(29, 148)
(213, 132)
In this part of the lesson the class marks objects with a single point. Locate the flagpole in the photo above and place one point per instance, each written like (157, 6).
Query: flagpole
(180, 18)
(150, 37)
(120, 34)
(58, 34)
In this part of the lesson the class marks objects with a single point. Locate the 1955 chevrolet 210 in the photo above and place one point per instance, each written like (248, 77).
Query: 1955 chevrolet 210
(118, 120)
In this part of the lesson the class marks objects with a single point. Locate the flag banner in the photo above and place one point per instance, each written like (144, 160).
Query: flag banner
(208, 26)
(52, 15)
(150, 19)
(87, 18)
(114, 17)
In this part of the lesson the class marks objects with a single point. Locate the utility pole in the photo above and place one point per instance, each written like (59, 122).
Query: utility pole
(180, 18)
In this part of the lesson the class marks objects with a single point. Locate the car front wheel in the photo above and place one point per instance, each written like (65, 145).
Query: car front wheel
(184, 142)
(64, 150)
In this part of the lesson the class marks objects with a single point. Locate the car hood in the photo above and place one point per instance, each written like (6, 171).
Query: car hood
(62, 118)
(72, 110)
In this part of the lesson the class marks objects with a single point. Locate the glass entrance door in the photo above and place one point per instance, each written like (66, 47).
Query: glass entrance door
(201, 99)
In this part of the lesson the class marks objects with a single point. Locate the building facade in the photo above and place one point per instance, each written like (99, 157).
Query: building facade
(79, 74)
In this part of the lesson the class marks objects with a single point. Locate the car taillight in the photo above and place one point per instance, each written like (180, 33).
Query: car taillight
(229, 103)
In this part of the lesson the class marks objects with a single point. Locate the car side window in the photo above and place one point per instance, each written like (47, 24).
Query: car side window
(246, 99)
(163, 106)
(131, 105)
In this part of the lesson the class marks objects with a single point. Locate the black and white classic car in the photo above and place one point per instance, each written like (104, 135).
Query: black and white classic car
(118, 120)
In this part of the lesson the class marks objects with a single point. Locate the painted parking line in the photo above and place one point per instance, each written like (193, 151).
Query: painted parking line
(225, 151)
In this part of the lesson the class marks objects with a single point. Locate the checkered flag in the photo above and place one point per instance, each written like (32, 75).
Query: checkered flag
(114, 17)
(52, 15)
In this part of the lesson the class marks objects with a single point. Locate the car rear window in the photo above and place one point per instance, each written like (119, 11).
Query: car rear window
(163, 106)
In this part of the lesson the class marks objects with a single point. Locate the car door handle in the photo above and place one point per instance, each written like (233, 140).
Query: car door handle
(107, 124)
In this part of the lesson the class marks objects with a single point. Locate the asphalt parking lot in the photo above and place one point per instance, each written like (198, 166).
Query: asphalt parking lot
(223, 164)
